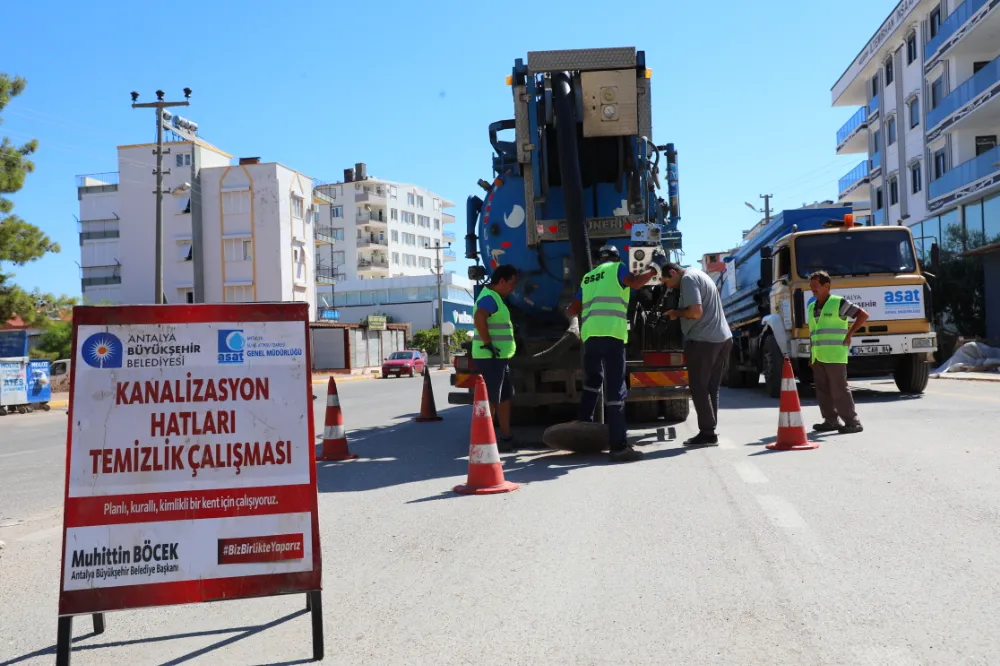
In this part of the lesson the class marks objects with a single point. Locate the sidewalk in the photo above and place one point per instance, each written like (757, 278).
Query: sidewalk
(970, 376)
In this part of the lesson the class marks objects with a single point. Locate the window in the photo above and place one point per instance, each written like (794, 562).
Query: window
(888, 72)
(976, 66)
(854, 253)
(296, 207)
(914, 112)
(877, 141)
(184, 159)
(423, 221)
(437, 224)
(935, 20)
(239, 294)
(940, 164)
(879, 203)
(336, 211)
(937, 92)
(338, 233)
(185, 251)
(410, 198)
(186, 295)
(409, 239)
(424, 241)
(395, 236)
(916, 178)
(911, 48)
(893, 191)
(393, 214)
(337, 257)
(890, 131)
(183, 205)
(236, 202)
(875, 86)
(420, 202)
(237, 249)
(395, 258)
(392, 191)
(409, 218)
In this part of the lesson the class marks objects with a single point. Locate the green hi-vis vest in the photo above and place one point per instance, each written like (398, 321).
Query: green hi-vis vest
(827, 332)
(605, 304)
(500, 327)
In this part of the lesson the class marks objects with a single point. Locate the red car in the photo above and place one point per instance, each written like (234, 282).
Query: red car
(410, 362)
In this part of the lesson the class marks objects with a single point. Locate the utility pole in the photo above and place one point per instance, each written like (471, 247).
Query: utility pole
(767, 207)
(440, 277)
(159, 105)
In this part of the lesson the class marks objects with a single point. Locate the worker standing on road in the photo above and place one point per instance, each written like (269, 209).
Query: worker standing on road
(492, 347)
(830, 343)
(707, 344)
(603, 298)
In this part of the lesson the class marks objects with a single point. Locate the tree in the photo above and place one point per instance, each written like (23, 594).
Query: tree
(56, 342)
(20, 242)
(958, 289)
(427, 340)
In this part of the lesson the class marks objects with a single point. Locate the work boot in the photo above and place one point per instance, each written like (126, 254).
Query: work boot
(626, 454)
(826, 427)
(850, 429)
(506, 444)
(703, 439)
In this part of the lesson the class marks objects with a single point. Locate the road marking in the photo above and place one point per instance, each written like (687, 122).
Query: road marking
(750, 473)
(21, 453)
(781, 512)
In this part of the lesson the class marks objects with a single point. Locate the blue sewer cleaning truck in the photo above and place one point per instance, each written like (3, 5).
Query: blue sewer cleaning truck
(581, 170)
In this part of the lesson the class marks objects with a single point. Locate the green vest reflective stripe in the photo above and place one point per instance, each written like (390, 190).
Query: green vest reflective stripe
(500, 327)
(827, 332)
(605, 304)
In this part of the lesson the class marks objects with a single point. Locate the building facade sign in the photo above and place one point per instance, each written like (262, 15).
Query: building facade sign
(889, 26)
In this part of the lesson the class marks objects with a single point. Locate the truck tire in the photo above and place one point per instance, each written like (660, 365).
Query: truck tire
(773, 364)
(750, 379)
(911, 374)
(677, 410)
(646, 411)
(732, 377)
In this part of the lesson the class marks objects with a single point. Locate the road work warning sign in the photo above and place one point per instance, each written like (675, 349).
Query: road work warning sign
(190, 464)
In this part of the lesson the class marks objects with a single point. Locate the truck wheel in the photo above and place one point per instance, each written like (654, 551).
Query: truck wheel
(734, 378)
(677, 410)
(911, 374)
(773, 363)
(646, 411)
(750, 379)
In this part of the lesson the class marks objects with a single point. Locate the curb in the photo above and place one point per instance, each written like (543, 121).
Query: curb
(357, 378)
(59, 404)
(967, 378)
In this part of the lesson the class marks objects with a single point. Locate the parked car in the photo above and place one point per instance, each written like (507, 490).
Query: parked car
(409, 362)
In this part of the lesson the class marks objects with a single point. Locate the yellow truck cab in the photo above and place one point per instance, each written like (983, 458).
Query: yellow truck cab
(875, 268)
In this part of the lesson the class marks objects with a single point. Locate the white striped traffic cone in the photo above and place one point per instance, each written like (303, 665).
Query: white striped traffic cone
(334, 436)
(791, 430)
(485, 469)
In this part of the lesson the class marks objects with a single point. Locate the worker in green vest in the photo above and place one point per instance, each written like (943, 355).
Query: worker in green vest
(603, 300)
(830, 344)
(493, 346)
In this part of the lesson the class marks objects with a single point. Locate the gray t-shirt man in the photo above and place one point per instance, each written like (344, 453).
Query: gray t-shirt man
(698, 289)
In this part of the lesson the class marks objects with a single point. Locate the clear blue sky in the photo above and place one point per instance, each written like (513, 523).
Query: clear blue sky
(742, 89)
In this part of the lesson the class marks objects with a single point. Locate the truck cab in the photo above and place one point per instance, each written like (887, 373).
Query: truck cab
(874, 267)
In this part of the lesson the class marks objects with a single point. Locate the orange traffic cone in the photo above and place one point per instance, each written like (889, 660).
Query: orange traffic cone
(334, 437)
(485, 468)
(791, 430)
(428, 411)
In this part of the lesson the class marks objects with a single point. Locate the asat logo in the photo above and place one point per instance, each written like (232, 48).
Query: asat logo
(102, 350)
(232, 343)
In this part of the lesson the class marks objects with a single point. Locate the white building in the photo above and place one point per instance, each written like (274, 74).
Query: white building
(383, 229)
(928, 88)
(714, 264)
(231, 233)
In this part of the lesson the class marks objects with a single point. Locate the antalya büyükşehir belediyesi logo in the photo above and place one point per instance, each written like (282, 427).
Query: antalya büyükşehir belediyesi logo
(102, 350)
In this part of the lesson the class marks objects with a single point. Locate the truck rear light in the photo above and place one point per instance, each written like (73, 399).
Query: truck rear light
(662, 359)
(923, 343)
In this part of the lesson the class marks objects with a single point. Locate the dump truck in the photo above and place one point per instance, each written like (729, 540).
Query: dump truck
(766, 298)
(581, 171)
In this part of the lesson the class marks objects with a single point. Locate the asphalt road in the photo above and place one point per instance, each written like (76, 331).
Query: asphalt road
(874, 549)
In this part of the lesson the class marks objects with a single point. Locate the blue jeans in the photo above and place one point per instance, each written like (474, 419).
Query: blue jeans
(605, 355)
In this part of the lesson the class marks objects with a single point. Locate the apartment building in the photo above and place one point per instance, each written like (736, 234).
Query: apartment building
(927, 88)
(232, 233)
(382, 228)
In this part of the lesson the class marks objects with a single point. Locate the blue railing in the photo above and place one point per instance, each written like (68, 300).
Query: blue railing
(450, 254)
(859, 119)
(951, 24)
(879, 217)
(966, 173)
(856, 174)
(876, 161)
(974, 86)
(873, 105)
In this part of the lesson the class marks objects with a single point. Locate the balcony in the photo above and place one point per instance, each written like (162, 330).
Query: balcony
(93, 276)
(371, 218)
(876, 162)
(328, 276)
(852, 138)
(967, 174)
(948, 36)
(95, 183)
(98, 229)
(323, 235)
(372, 242)
(975, 95)
(375, 264)
(851, 186)
(449, 255)
(873, 106)
(879, 217)
(375, 196)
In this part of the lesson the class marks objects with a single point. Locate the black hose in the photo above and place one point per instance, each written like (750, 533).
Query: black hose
(564, 106)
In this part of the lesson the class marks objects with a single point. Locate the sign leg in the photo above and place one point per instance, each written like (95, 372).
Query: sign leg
(98, 623)
(316, 607)
(308, 601)
(64, 638)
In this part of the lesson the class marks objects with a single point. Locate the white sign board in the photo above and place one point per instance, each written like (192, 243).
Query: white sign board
(884, 303)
